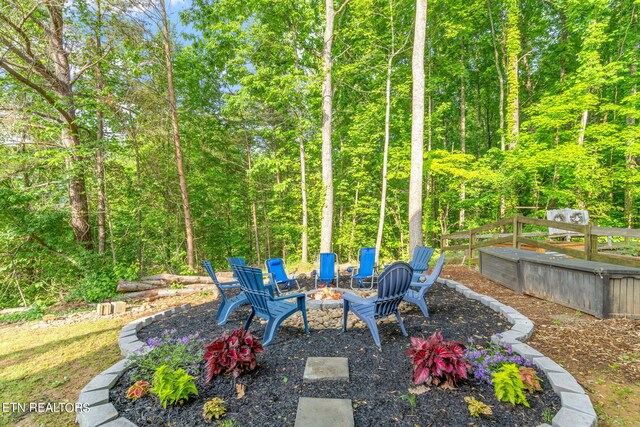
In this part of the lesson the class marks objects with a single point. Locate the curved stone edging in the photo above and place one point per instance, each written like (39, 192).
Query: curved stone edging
(576, 407)
(96, 393)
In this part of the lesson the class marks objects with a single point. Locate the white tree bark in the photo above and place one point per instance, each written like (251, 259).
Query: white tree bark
(417, 128)
(326, 232)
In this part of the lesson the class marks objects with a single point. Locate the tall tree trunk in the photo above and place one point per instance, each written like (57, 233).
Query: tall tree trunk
(303, 189)
(583, 126)
(354, 221)
(563, 44)
(503, 199)
(69, 134)
(326, 232)
(186, 207)
(631, 121)
(463, 132)
(387, 135)
(500, 77)
(252, 195)
(385, 156)
(513, 52)
(100, 133)
(417, 128)
(267, 229)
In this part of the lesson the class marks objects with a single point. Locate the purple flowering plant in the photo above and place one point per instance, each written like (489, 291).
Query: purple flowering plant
(484, 361)
(168, 349)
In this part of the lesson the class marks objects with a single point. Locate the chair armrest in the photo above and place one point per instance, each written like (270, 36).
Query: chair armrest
(284, 297)
(230, 285)
(356, 299)
(419, 285)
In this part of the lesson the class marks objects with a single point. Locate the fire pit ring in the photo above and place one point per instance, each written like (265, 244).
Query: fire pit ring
(315, 304)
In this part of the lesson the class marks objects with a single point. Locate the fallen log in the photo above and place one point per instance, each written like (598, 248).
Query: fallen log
(169, 292)
(140, 295)
(173, 278)
(129, 286)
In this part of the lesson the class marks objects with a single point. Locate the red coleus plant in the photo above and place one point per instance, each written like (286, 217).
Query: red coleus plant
(436, 361)
(234, 354)
(530, 379)
(137, 390)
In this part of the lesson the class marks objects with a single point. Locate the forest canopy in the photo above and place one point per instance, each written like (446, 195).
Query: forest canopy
(135, 141)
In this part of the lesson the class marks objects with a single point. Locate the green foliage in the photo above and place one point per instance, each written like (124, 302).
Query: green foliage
(508, 385)
(167, 350)
(173, 386)
(35, 312)
(249, 86)
(213, 408)
(477, 408)
(411, 398)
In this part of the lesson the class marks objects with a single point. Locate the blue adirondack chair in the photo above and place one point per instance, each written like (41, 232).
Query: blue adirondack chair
(263, 303)
(393, 284)
(227, 303)
(420, 260)
(328, 270)
(366, 270)
(275, 267)
(236, 260)
(418, 289)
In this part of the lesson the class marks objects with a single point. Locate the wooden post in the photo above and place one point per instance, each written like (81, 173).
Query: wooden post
(594, 245)
(472, 240)
(516, 226)
(587, 242)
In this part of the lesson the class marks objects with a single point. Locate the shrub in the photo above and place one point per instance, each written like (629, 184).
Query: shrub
(477, 408)
(530, 379)
(185, 352)
(436, 361)
(173, 386)
(213, 408)
(485, 361)
(234, 354)
(137, 390)
(508, 385)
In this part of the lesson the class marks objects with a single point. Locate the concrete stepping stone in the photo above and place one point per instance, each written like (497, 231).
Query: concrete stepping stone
(326, 369)
(316, 412)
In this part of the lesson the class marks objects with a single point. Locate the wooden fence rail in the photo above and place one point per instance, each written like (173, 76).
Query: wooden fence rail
(589, 234)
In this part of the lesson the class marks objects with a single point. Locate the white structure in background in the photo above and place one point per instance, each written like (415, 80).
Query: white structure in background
(572, 216)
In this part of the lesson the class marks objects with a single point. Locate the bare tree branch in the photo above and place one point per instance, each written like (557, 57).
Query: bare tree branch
(37, 88)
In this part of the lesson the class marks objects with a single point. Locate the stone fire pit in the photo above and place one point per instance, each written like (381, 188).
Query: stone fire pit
(329, 301)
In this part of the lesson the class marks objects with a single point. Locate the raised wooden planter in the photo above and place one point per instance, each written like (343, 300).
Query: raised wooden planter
(603, 290)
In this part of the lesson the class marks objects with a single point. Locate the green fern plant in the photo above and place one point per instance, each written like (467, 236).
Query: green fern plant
(508, 385)
(173, 387)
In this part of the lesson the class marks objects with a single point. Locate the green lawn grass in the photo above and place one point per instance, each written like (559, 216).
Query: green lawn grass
(52, 364)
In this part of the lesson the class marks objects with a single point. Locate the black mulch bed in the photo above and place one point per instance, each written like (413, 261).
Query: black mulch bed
(378, 379)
